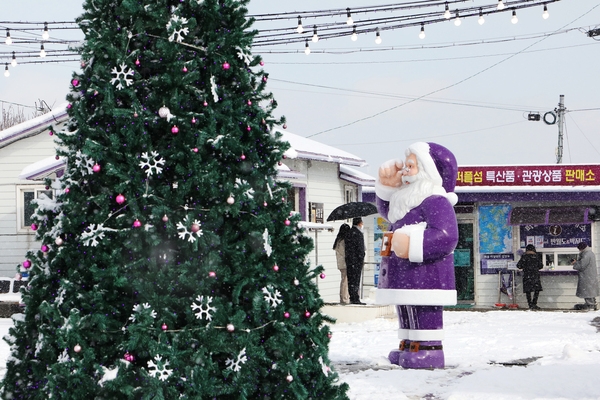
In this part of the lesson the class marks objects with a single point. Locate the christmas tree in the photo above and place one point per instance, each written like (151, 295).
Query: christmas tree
(170, 264)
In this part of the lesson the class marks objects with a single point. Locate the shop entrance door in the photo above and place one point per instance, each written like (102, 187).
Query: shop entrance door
(463, 263)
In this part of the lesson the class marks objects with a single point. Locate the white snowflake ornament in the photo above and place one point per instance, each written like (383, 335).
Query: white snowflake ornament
(122, 75)
(139, 309)
(84, 163)
(159, 369)
(176, 23)
(235, 365)
(205, 308)
(274, 299)
(183, 231)
(94, 233)
(152, 163)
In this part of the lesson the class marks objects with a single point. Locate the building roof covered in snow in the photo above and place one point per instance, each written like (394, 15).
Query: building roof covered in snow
(33, 126)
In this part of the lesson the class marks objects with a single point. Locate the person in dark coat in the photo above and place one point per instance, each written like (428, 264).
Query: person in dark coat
(355, 259)
(531, 264)
(587, 277)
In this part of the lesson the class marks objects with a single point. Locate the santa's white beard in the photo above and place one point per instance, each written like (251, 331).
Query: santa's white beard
(411, 195)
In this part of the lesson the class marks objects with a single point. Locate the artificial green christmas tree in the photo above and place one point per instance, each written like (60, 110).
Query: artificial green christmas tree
(170, 265)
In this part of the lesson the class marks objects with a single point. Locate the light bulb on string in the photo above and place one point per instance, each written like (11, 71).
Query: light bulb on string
(6, 71)
(377, 36)
(447, 12)
(45, 33)
(500, 5)
(306, 48)
(545, 14)
(42, 51)
(481, 20)
(315, 37)
(354, 36)
(299, 29)
(514, 18)
(457, 20)
(422, 33)
(14, 60)
(349, 21)
(8, 40)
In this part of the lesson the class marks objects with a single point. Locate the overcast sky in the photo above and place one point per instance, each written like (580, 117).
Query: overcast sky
(482, 93)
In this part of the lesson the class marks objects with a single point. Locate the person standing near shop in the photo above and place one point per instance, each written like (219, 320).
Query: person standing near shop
(531, 264)
(355, 259)
(339, 245)
(587, 279)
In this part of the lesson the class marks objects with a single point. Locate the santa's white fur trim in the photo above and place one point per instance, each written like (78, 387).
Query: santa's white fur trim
(426, 334)
(384, 192)
(416, 297)
(425, 161)
(403, 333)
(416, 234)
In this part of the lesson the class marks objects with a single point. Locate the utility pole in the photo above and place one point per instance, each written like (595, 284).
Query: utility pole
(561, 117)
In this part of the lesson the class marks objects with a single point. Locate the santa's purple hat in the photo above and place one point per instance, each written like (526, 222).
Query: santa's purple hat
(439, 163)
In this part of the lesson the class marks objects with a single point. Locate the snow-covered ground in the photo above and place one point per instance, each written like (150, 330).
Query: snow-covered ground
(562, 348)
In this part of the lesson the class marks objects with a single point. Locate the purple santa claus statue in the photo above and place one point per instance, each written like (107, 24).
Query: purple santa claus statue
(417, 272)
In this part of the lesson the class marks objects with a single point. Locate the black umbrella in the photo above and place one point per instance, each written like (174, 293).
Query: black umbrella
(352, 210)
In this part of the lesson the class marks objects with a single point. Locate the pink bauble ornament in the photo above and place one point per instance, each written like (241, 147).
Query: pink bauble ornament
(75, 82)
(230, 200)
(205, 104)
(129, 357)
(50, 133)
(34, 227)
(174, 130)
(262, 63)
(137, 61)
(284, 126)
(96, 168)
(287, 222)
(307, 314)
(59, 241)
(265, 204)
(230, 328)
(77, 348)
(195, 228)
(164, 327)
(69, 105)
(212, 274)
(184, 69)
(137, 223)
(286, 314)
(249, 102)
(329, 335)
(67, 190)
(243, 157)
(45, 248)
(301, 356)
(165, 218)
(26, 264)
(195, 149)
(194, 120)
(275, 267)
(248, 128)
(120, 199)
(226, 65)
(135, 115)
(289, 378)
(95, 93)
(56, 157)
(264, 79)
(322, 276)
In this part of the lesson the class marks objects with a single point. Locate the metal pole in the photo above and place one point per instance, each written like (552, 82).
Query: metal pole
(561, 113)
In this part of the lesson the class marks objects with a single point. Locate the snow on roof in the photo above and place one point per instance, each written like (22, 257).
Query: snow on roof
(312, 150)
(354, 176)
(33, 126)
(283, 171)
(42, 168)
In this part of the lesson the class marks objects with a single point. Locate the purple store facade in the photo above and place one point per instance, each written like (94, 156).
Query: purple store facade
(502, 209)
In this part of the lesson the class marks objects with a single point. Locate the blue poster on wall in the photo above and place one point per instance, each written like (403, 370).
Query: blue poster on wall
(495, 235)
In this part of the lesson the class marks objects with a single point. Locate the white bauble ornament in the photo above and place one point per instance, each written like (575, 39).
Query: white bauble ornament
(230, 200)
(164, 112)
(59, 241)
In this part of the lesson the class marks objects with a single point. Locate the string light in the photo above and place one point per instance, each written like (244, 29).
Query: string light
(500, 5)
(14, 60)
(422, 33)
(514, 18)
(42, 51)
(306, 48)
(481, 20)
(315, 37)
(6, 71)
(349, 21)
(299, 29)
(354, 36)
(45, 33)
(377, 36)
(457, 20)
(545, 14)
(447, 12)
(8, 40)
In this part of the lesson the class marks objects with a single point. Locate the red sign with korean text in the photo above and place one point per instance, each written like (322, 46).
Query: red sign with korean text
(543, 175)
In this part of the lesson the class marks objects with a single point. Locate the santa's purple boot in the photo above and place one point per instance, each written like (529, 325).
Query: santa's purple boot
(424, 355)
(396, 356)
(426, 334)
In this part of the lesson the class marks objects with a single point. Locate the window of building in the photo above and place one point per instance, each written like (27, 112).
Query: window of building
(26, 207)
(350, 193)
